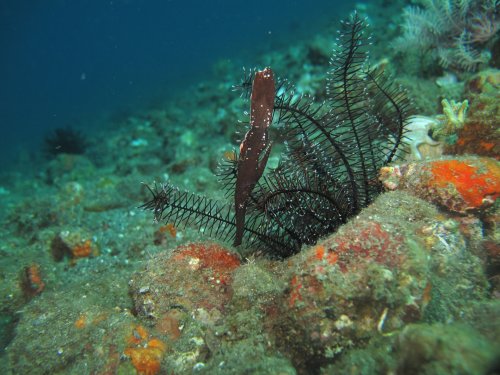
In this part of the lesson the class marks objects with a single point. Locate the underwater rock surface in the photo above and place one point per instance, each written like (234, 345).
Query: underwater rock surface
(461, 185)
(369, 280)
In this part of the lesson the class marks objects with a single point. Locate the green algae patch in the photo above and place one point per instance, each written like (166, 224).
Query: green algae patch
(441, 349)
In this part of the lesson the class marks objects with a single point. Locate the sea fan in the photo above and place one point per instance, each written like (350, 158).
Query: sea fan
(329, 168)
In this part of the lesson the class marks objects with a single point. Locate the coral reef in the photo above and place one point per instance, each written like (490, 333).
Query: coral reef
(467, 188)
(408, 283)
(338, 303)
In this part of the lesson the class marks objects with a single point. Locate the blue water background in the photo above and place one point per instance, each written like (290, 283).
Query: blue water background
(70, 62)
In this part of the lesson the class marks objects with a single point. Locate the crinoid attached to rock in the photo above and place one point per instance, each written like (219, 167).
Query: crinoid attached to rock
(329, 168)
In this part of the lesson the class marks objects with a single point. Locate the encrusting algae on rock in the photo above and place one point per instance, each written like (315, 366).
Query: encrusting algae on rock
(460, 185)
(201, 272)
(373, 277)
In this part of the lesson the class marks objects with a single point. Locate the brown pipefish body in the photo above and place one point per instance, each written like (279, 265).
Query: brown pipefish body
(255, 148)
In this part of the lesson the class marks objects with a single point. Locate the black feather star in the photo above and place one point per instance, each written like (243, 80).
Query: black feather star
(328, 171)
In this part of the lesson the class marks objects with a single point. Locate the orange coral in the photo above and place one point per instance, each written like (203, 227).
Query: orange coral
(474, 183)
(147, 361)
(170, 229)
(295, 295)
(320, 252)
(371, 242)
(138, 335)
(157, 344)
(331, 257)
(427, 294)
(31, 280)
(211, 256)
(168, 324)
(81, 322)
(82, 250)
(146, 358)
